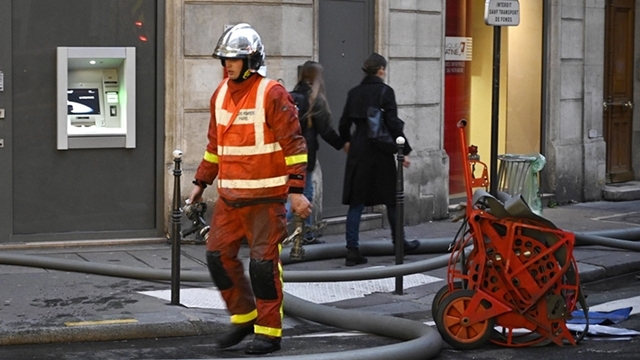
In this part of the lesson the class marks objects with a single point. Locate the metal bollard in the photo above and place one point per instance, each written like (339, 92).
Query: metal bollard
(399, 240)
(176, 215)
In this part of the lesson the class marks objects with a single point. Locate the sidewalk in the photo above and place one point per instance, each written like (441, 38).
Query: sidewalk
(49, 306)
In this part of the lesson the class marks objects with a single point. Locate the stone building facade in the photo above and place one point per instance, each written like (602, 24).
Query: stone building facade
(567, 78)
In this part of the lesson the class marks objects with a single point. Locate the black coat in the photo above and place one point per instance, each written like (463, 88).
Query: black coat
(370, 174)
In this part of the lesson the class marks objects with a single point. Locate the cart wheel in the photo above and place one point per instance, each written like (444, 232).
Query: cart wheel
(444, 291)
(451, 324)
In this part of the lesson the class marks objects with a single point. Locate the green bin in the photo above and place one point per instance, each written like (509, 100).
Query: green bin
(518, 175)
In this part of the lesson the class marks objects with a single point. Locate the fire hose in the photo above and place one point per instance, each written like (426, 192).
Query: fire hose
(419, 341)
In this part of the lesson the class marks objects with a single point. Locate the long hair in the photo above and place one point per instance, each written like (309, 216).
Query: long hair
(311, 74)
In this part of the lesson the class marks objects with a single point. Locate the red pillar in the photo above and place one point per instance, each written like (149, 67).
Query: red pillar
(457, 99)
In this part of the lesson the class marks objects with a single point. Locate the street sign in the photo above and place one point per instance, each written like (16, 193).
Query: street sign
(502, 12)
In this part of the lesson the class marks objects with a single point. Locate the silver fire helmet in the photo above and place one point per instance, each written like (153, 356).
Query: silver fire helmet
(241, 41)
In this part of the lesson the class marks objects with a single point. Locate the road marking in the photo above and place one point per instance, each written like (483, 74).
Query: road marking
(606, 218)
(316, 292)
(634, 302)
(330, 334)
(101, 322)
(615, 215)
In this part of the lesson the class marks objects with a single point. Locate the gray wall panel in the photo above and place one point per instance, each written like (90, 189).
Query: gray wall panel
(81, 190)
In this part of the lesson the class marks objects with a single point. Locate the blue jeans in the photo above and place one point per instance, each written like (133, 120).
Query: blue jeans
(353, 224)
(308, 193)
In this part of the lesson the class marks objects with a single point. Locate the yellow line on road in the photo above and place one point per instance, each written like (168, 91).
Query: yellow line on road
(101, 322)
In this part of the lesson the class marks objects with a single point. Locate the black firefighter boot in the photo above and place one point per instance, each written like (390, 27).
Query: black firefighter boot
(354, 257)
(262, 344)
(234, 335)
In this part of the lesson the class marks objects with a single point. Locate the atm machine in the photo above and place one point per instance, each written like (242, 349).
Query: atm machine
(96, 98)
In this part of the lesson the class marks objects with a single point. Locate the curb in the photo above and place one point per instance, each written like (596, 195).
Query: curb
(145, 326)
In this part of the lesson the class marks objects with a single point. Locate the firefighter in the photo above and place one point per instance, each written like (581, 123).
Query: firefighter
(258, 158)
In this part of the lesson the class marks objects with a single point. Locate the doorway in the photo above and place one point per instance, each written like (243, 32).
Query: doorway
(520, 77)
(618, 89)
(346, 38)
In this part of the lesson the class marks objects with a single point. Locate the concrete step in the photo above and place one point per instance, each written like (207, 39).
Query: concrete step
(626, 191)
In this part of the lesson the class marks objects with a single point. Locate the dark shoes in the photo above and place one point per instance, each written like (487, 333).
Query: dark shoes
(409, 246)
(354, 258)
(259, 345)
(311, 241)
(234, 335)
(262, 344)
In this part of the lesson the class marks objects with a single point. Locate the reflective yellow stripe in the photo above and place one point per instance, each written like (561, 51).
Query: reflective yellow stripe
(267, 331)
(281, 271)
(244, 318)
(295, 159)
(212, 158)
(253, 184)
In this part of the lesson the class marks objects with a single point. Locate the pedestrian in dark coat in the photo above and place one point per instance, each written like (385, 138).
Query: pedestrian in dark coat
(370, 174)
(315, 119)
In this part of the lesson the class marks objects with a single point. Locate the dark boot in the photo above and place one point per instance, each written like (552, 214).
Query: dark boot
(262, 345)
(234, 335)
(354, 257)
(312, 240)
(409, 246)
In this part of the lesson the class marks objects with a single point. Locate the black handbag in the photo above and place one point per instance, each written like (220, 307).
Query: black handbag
(378, 133)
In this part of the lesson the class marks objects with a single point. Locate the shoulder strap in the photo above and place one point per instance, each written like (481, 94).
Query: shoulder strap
(384, 88)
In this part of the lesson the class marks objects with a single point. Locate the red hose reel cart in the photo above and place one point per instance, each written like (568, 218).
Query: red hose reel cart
(511, 279)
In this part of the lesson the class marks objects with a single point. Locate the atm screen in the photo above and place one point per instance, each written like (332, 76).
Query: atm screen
(83, 101)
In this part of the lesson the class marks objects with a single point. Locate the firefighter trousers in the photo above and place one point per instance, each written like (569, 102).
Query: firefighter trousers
(259, 298)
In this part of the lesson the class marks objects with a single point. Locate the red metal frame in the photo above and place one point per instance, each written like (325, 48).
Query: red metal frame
(520, 278)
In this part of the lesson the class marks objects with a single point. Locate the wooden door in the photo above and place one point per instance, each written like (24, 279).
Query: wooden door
(618, 88)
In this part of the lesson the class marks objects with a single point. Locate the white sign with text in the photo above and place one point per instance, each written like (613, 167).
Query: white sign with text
(502, 12)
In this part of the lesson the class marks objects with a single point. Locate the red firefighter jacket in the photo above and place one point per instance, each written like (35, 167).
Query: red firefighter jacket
(255, 149)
